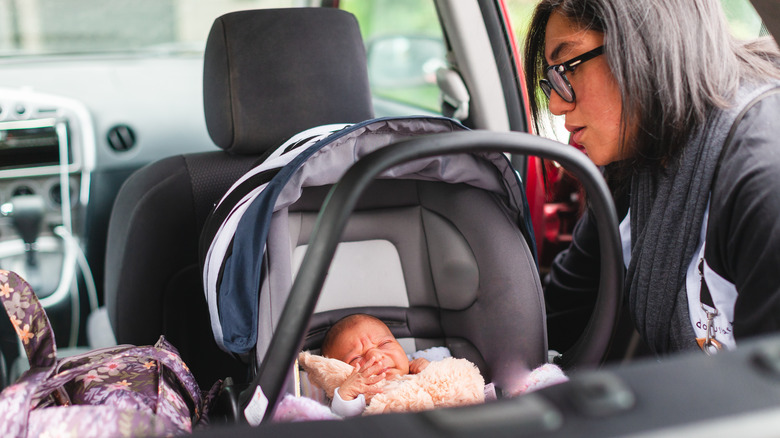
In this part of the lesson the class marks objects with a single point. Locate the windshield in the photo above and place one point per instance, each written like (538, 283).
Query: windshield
(75, 27)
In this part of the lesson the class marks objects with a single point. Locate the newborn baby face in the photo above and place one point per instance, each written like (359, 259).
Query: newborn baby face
(370, 339)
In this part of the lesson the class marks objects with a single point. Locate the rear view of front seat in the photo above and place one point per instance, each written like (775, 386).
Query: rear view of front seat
(268, 74)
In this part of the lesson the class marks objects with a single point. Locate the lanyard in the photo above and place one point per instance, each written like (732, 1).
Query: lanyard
(708, 343)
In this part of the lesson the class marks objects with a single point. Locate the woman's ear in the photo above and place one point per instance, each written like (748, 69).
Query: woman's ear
(324, 372)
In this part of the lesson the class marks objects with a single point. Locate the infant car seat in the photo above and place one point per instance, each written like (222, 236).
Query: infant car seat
(439, 249)
(590, 348)
(263, 81)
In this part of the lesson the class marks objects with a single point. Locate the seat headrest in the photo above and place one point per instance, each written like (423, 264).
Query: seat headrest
(271, 73)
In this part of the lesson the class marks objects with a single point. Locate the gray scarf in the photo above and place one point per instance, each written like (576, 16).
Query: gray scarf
(667, 209)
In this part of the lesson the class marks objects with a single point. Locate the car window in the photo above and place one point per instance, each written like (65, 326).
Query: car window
(404, 49)
(46, 27)
(743, 19)
(405, 46)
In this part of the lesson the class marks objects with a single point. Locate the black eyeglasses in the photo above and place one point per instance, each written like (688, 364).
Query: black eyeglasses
(556, 75)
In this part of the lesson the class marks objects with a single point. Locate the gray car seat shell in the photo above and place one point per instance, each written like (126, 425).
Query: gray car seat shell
(297, 314)
(455, 224)
(264, 80)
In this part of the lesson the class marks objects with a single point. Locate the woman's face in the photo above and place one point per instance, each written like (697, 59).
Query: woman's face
(594, 117)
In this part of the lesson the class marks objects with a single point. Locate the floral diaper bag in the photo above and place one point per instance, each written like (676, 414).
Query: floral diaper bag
(116, 391)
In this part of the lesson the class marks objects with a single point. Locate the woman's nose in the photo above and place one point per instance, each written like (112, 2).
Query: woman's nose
(558, 106)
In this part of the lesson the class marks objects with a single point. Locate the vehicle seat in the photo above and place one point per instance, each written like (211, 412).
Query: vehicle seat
(267, 75)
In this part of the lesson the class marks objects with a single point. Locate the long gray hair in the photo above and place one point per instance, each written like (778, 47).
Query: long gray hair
(673, 60)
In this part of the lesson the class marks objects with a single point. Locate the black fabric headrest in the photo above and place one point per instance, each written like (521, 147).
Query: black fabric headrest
(269, 74)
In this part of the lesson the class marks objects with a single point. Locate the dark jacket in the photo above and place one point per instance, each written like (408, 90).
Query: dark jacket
(743, 232)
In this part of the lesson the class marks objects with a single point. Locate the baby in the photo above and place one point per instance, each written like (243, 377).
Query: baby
(366, 343)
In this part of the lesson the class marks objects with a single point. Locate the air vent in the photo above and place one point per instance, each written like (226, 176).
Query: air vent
(22, 191)
(121, 138)
(55, 195)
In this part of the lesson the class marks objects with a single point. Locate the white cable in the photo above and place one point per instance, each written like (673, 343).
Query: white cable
(73, 255)
(67, 226)
(75, 313)
(81, 259)
(65, 205)
(66, 275)
(72, 246)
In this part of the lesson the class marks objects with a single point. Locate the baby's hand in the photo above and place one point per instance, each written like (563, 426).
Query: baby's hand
(416, 366)
(363, 380)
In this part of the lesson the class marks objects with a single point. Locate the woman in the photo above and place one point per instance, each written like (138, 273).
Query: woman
(650, 89)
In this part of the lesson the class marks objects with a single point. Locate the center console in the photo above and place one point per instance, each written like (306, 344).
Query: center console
(47, 154)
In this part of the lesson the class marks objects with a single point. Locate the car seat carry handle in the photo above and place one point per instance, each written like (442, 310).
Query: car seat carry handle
(341, 200)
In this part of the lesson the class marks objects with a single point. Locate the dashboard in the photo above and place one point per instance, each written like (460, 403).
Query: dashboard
(47, 155)
(75, 130)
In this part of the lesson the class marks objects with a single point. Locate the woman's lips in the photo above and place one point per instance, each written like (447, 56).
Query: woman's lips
(576, 135)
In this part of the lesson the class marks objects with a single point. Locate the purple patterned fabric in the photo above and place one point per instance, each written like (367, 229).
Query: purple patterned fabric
(116, 391)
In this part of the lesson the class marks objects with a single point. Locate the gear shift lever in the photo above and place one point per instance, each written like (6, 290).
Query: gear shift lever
(26, 212)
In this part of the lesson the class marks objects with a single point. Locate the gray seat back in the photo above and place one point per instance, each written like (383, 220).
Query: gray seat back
(263, 81)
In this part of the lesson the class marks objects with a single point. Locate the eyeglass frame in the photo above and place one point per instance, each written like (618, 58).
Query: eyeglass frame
(548, 86)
